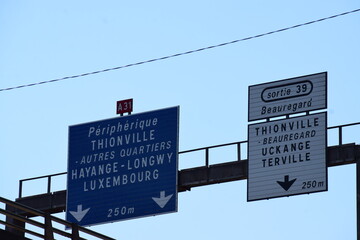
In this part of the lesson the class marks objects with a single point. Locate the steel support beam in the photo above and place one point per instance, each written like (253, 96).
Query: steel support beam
(200, 176)
(15, 222)
(358, 196)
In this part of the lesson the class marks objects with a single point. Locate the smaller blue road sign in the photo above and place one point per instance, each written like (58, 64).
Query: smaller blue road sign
(123, 168)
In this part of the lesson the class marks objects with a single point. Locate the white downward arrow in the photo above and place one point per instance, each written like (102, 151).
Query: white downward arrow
(80, 213)
(162, 200)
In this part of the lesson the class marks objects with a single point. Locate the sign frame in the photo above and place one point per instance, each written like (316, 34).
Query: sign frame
(284, 98)
(163, 197)
(286, 178)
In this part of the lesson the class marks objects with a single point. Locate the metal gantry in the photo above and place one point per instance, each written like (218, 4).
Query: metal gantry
(206, 174)
(17, 221)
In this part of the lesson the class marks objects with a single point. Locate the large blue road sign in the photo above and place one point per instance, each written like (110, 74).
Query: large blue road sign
(123, 168)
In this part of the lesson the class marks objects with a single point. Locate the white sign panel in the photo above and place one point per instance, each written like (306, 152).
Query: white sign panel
(287, 157)
(289, 96)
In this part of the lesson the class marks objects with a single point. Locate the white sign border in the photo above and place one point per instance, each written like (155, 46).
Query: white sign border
(176, 176)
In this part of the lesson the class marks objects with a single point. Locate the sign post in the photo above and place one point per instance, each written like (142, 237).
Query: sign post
(123, 168)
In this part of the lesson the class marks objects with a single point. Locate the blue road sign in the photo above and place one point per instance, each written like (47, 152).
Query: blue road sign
(123, 168)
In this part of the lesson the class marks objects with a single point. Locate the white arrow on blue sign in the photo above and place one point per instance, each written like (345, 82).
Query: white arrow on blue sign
(123, 168)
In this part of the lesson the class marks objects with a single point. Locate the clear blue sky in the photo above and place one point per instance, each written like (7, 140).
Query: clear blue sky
(45, 40)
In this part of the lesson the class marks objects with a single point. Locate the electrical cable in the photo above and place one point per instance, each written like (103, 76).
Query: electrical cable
(182, 53)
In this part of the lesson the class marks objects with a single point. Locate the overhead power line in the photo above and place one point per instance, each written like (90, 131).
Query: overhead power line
(180, 54)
